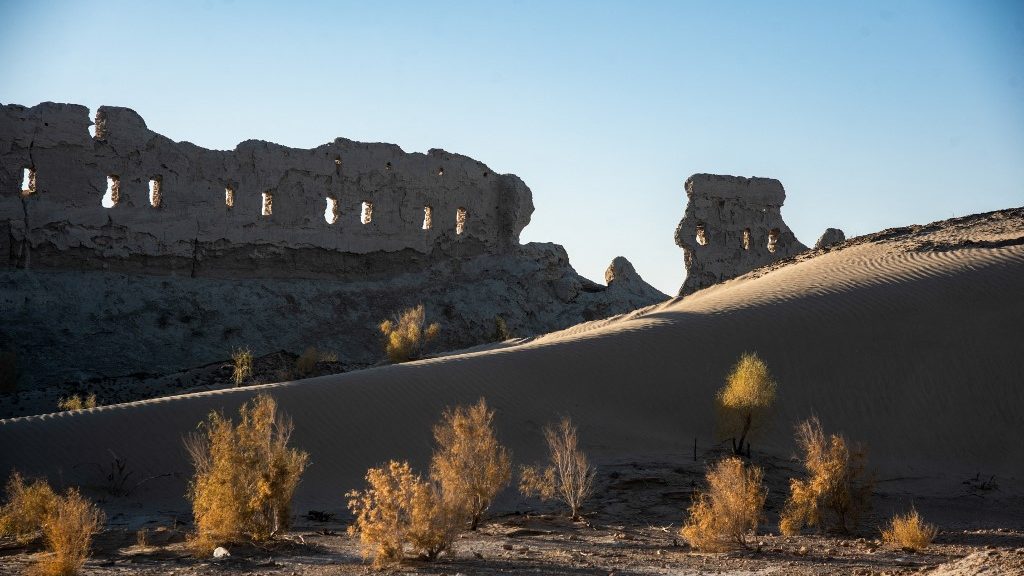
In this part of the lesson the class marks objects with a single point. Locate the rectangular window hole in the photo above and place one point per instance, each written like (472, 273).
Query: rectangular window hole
(460, 220)
(428, 217)
(154, 192)
(100, 125)
(268, 204)
(331, 212)
(229, 196)
(28, 182)
(366, 214)
(113, 194)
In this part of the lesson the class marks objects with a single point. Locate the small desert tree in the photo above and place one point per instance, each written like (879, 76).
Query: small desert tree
(245, 475)
(398, 509)
(745, 400)
(837, 483)
(67, 523)
(568, 476)
(909, 532)
(68, 529)
(407, 335)
(26, 508)
(468, 461)
(241, 365)
(730, 508)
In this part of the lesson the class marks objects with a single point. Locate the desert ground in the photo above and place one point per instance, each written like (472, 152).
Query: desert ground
(908, 340)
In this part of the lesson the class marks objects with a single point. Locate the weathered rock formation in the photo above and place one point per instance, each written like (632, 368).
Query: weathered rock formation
(130, 253)
(830, 237)
(731, 226)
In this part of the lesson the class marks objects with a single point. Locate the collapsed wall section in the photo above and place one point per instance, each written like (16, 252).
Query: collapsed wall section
(129, 199)
(731, 226)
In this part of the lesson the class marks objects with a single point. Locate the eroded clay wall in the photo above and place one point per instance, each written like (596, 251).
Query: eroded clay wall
(731, 226)
(59, 220)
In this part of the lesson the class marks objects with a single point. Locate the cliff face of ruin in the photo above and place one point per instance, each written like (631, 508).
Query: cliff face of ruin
(132, 200)
(129, 253)
(731, 226)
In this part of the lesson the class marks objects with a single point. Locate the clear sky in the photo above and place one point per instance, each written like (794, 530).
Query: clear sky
(872, 114)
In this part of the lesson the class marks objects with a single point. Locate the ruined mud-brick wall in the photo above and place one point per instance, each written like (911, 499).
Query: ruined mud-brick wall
(731, 226)
(129, 199)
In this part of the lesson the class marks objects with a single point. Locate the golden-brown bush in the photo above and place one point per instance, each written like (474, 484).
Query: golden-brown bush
(77, 402)
(398, 509)
(569, 475)
(245, 475)
(745, 400)
(241, 364)
(26, 508)
(837, 483)
(69, 528)
(721, 516)
(468, 461)
(909, 532)
(407, 335)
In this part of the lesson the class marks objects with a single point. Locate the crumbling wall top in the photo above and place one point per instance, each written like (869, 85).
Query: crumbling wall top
(130, 197)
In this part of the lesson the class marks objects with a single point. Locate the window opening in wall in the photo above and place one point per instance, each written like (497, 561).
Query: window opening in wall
(701, 238)
(154, 192)
(268, 204)
(100, 125)
(428, 217)
(331, 212)
(337, 164)
(229, 196)
(113, 194)
(773, 239)
(28, 182)
(366, 214)
(460, 220)
(746, 238)
(486, 174)
(387, 166)
(440, 171)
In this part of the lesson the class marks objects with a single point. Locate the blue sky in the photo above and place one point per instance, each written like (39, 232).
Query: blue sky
(872, 114)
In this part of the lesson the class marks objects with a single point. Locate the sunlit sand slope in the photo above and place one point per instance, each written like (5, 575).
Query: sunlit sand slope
(910, 340)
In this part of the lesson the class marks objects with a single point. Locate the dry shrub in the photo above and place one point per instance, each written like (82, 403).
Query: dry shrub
(398, 509)
(407, 335)
(501, 331)
(569, 475)
(306, 362)
(745, 400)
(69, 529)
(468, 461)
(77, 402)
(837, 483)
(245, 475)
(721, 517)
(26, 509)
(241, 361)
(910, 532)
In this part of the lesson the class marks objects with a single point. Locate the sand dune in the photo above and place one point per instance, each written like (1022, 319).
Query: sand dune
(911, 341)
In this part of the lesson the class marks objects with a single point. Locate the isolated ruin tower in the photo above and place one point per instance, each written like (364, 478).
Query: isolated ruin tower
(731, 226)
